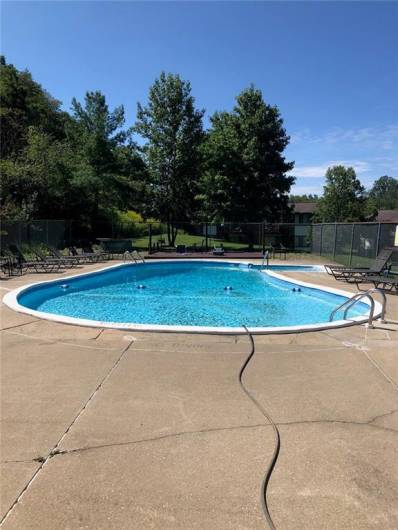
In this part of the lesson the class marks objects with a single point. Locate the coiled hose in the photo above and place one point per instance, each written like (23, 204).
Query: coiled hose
(274, 457)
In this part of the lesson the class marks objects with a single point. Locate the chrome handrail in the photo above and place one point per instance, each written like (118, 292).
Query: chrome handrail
(265, 258)
(133, 256)
(140, 257)
(348, 304)
(384, 301)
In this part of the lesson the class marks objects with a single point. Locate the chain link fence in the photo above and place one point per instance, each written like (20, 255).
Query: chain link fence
(155, 237)
(54, 232)
(353, 244)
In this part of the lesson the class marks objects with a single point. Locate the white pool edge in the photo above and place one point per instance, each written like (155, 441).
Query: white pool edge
(10, 299)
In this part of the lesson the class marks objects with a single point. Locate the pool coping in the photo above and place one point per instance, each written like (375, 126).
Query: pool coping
(10, 299)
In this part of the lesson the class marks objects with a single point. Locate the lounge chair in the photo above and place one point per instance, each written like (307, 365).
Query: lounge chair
(73, 261)
(9, 264)
(74, 253)
(218, 251)
(84, 257)
(64, 261)
(281, 250)
(5, 265)
(101, 254)
(351, 274)
(37, 265)
(385, 282)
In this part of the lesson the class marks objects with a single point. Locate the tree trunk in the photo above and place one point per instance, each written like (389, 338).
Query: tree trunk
(168, 230)
(171, 233)
(174, 232)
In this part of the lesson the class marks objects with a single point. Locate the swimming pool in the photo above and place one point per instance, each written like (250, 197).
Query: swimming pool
(185, 296)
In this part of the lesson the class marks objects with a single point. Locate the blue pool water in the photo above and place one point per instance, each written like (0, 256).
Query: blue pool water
(185, 294)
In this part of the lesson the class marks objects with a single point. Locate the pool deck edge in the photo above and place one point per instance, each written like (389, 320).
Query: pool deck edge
(10, 299)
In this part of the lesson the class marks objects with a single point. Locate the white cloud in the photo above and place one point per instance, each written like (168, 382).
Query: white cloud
(302, 189)
(319, 171)
(385, 138)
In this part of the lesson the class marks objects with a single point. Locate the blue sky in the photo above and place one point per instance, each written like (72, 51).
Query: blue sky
(331, 67)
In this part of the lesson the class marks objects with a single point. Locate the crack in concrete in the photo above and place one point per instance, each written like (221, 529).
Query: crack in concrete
(29, 461)
(378, 367)
(361, 347)
(19, 325)
(343, 422)
(55, 341)
(55, 450)
(100, 332)
(161, 437)
(221, 429)
(313, 349)
(382, 416)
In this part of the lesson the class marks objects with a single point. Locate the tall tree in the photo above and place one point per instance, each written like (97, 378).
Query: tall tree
(343, 197)
(24, 104)
(108, 162)
(32, 145)
(37, 183)
(173, 130)
(245, 177)
(54, 164)
(384, 194)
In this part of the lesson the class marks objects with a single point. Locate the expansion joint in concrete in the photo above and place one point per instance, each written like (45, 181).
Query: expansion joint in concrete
(55, 449)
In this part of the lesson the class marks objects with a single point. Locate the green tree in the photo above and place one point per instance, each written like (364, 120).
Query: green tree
(57, 165)
(245, 177)
(108, 164)
(173, 131)
(23, 104)
(384, 194)
(343, 197)
(39, 183)
(18, 192)
(304, 198)
(33, 147)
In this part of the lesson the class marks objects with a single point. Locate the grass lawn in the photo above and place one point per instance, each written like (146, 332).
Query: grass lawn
(191, 240)
(357, 261)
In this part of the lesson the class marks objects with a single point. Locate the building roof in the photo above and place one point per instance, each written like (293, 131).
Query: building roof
(385, 216)
(304, 207)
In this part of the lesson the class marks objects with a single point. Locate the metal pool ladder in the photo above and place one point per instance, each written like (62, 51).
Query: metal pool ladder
(348, 304)
(133, 256)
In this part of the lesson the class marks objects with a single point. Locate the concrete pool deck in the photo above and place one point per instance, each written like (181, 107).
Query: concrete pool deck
(125, 430)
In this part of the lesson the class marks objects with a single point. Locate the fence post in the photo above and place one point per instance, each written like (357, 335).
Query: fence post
(263, 237)
(335, 238)
(378, 239)
(206, 237)
(321, 240)
(47, 241)
(150, 238)
(352, 242)
(259, 234)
